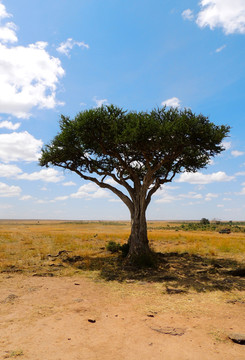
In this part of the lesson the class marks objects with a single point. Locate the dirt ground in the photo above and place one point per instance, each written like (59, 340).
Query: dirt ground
(82, 318)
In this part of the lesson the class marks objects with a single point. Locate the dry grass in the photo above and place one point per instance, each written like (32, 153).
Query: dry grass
(199, 242)
(25, 245)
(31, 247)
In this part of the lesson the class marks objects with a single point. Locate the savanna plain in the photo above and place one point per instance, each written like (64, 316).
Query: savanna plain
(66, 292)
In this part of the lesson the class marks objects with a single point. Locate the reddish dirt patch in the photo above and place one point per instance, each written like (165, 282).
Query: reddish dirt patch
(46, 318)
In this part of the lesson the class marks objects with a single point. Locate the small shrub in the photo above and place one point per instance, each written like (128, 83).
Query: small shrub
(204, 221)
(113, 247)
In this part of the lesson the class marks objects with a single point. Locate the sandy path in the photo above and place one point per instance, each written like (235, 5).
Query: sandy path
(47, 319)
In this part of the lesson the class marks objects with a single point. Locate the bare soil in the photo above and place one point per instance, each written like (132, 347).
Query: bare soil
(82, 318)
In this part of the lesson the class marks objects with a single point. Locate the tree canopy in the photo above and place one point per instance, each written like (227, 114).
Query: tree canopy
(140, 151)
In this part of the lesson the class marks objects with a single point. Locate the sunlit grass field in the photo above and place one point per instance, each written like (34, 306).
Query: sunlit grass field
(29, 246)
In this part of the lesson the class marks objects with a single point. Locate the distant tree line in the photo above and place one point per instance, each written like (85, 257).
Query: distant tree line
(205, 226)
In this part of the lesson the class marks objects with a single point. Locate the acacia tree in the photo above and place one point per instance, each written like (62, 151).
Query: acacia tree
(139, 151)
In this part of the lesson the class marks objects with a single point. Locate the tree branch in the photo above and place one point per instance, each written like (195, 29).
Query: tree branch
(101, 184)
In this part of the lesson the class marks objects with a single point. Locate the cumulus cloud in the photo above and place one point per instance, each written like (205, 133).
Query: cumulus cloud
(41, 201)
(26, 197)
(8, 33)
(19, 146)
(112, 182)
(237, 153)
(173, 102)
(9, 171)
(165, 197)
(61, 198)
(226, 14)
(199, 178)
(90, 191)
(66, 46)
(226, 145)
(69, 183)
(188, 14)
(3, 12)
(191, 195)
(210, 196)
(28, 74)
(9, 191)
(100, 102)
(9, 125)
(47, 175)
(7, 30)
(28, 78)
(211, 162)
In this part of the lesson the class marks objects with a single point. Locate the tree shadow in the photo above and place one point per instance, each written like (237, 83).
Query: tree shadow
(179, 272)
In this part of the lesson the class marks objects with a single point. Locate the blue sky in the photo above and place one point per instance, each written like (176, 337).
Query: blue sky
(61, 57)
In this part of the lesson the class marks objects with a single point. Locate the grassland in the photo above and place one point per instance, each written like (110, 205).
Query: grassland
(198, 259)
(56, 276)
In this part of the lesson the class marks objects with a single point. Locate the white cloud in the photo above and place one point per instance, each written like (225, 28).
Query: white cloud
(237, 153)
(220, 205)
(220, 49)
(9, 125)
(199, 178)
(173, 102)
(227, 199)
(41, 201)
(47, 175)
(242, 192)
(90, 191)
(210, 196)
(165, 197)
(28, 74)
(61, 198)
(100, 102)
(111, 182)
(114, 200)
(8, 30)
(9, 191)
(191, 195)
(3, 12)
(19, 146)
(241, 173)
(226, 145)
(69, 183)
(26, 197)
(169, 187)
(66, 46)
(226, 14)
(9, 170)
(28, 78)
(188, 14)
(8, 33)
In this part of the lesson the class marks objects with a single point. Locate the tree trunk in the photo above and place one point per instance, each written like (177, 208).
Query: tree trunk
(139, 250)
